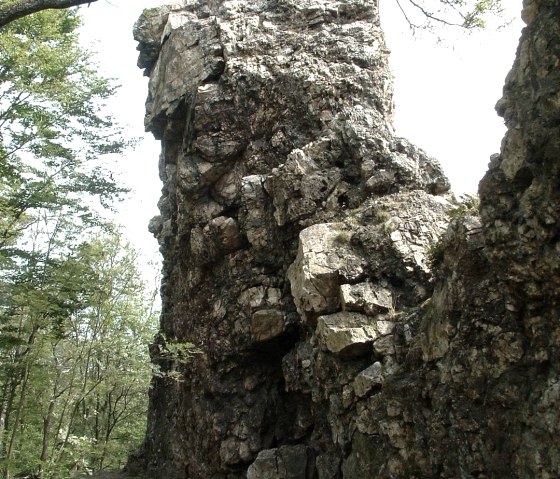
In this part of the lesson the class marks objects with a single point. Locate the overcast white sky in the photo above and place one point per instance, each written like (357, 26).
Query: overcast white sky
(444, 94)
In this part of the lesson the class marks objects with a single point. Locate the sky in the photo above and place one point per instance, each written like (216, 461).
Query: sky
(445, 92)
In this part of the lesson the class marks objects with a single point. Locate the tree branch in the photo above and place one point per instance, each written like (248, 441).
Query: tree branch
(410, 24)
(431, 16)
(11, 10)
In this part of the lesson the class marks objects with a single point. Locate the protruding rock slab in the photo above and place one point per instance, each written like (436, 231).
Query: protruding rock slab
(350, 333)
(325, 259)
(369, 378)
(267, 324)
(366, 297)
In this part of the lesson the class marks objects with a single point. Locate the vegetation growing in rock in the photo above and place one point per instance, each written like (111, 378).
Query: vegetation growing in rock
(173, 355)
(468, 205)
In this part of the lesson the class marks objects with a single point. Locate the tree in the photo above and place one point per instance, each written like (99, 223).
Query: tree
(75, 375)
(468, 14)
(52, 126)
(71, 309)
(11, 10)
(52, 130)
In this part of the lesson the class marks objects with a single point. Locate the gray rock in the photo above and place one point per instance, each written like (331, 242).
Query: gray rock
(275, 121)
(366, 297)
(369, 378)
(287, 198)
(350, 333)
(324, 258)
(286, 462)
(327, 466)
(148, 31)
(267, 324)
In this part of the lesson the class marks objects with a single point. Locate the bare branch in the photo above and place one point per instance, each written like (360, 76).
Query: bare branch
(11, 10)
(432, 16)
(410, 24)
(429, 15)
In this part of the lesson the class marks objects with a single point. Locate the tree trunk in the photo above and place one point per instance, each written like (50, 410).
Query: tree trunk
(17, 420)
(47, 420)
(5, 408)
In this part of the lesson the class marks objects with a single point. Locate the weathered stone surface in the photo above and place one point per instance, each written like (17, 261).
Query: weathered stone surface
(302, 185)
(274, 118)
(348, 333)
(299, 237)
(148, 32)
(368, 379)
(385, 345)
(366, 297)
(286, 462)
(324, 258)
(267, 324)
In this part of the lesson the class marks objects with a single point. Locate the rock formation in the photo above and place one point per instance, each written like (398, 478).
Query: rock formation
(300, 237)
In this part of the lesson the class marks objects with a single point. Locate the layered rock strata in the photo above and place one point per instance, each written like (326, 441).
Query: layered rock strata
(297, 233)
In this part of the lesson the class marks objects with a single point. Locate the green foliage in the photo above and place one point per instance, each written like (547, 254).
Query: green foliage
(180, 352)
(436, 254)
(78, 363)
(173, 354)
(74, 316)
(468, 205)
(52, 130)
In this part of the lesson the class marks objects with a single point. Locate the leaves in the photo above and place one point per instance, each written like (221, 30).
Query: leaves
(52, 130)
(73, 313)
(75, 322)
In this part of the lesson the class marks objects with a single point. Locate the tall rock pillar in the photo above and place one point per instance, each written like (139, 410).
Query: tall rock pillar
(294, 228)
(303, 335)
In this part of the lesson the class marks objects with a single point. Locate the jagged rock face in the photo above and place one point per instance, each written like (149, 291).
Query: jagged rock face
(522, 183)
(520, 209)
(490, 336)
(296, 232)
(287, 205)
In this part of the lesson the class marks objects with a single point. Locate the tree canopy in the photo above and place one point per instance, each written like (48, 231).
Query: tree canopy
(75, 318)
(52, 127)
(74, 366)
